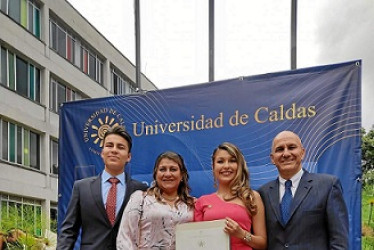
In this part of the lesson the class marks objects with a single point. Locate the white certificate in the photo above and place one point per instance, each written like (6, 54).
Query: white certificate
(204, 235)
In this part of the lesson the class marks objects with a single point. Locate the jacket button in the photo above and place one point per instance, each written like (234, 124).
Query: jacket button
(286, 245)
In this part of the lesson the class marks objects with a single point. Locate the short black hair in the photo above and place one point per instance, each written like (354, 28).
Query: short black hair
(121, 131)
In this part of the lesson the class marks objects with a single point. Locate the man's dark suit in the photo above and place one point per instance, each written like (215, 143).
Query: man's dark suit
(318, 218)
(86, 209)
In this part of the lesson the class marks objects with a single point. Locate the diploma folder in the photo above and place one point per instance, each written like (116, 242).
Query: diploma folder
(203, 235)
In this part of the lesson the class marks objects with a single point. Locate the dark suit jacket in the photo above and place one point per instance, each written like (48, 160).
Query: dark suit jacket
(319, 218)
(86, 210)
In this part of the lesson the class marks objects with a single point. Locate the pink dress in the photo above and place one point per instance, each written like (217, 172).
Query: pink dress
(211, 207)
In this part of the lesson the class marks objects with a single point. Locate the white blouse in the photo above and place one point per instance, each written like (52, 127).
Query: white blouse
(149, 224)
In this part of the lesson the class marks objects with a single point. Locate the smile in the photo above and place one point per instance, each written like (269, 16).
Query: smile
(226, 172)
(288, 162)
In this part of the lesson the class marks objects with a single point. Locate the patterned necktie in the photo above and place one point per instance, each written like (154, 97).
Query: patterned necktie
(111, 200)
(286, 202)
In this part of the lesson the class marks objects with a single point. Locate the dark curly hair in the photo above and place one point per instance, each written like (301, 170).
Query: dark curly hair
(183, 188)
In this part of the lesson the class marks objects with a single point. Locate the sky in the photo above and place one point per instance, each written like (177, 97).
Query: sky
(251, 37)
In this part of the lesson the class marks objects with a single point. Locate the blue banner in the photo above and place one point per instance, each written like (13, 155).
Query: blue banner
(321, 104)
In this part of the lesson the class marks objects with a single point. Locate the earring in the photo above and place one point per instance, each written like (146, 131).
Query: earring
(214, 182)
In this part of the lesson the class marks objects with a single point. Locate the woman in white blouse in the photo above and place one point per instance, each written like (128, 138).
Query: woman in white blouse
(150, 217)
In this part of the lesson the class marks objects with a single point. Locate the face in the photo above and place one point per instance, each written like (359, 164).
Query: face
(287, 154)
(168, 176)
(225, 167)
(115, 154)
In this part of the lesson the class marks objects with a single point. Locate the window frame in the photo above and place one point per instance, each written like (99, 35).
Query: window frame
(68, 94)
(10, 65)
(19, 207)
(75, 51)
(14, 143)
(123, 85)
(53, 162)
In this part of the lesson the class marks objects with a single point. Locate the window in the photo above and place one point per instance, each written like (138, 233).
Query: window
(91, 64)
(61, 42)
(19, 145)
(4, 141)
(84, 60)
(22, 213)
(34, 83)
(53, 35)
(3, 67)
(4, 6)
(24, 12)
(12, 142)
(26, 146)
(34, 151)
(53, 217)
(77, 54)
(53, 96)
(34, 19)
(59, 94)
(19, 75)
(11, 73)
(14, 10)
(69, 47)
(54, 157)
(120, 84)
(99, 71)
(116, 84)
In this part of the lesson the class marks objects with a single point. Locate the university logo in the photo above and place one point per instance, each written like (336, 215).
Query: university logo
(96, 126)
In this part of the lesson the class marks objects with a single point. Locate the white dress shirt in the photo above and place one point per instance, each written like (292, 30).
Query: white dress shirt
(295, 183)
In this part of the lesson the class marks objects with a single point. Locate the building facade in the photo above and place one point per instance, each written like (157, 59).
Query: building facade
(49, 54)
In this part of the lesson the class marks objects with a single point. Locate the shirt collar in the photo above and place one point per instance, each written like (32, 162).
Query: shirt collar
(295, 179)
(121, 177)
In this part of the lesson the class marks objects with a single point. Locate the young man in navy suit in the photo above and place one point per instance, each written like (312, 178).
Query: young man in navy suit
(317, 217)
(87, 206)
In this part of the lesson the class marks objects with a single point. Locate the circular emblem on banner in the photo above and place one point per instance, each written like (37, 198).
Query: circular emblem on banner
(96, 126)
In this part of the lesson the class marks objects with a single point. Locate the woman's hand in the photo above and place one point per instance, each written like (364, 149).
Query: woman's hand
(233, 228)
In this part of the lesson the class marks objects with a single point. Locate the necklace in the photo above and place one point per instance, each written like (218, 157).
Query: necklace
(172, 199)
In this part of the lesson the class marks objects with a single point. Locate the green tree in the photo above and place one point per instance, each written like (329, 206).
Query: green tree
(21, 228)
(367, 145)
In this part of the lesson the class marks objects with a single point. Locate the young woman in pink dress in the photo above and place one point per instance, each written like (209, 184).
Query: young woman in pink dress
(150, 218)
(234, 200)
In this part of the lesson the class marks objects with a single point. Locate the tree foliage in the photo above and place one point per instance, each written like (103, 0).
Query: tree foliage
(367, 150)
(21, 228)
(367, 146)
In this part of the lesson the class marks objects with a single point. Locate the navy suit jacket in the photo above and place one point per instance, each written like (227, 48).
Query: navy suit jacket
(86, 210)
(318, 220)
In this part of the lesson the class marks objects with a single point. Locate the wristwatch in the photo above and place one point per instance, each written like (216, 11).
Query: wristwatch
(247, 237)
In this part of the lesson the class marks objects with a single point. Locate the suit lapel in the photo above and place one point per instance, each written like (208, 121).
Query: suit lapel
(96, 193)
(274, 199)
(303, 189)
(128, 192)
